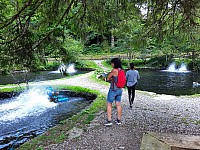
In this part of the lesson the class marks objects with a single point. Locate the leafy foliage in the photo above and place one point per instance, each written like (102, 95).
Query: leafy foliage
(33, 30)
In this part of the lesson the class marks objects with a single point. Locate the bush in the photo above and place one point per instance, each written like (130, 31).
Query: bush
(183, 60)
(196, 66)
(160, 61)
(187, 61)
(52, 65)
(70, 50)
(93, 49)
(125, 62)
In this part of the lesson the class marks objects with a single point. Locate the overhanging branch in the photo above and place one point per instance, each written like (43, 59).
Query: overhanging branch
(16, 15)
(64, 14)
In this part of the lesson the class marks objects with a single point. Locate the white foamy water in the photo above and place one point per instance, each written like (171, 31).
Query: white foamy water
(65, 69)
(181, 69)
(71, 69)
(29, 103)
(172, 67)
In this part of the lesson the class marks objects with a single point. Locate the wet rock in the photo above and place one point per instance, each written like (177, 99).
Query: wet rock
(4, 95)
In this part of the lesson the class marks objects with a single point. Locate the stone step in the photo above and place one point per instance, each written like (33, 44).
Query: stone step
(168, 141)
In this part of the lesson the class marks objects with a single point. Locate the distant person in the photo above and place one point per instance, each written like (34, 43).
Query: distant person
(117, 79)
(132, 77)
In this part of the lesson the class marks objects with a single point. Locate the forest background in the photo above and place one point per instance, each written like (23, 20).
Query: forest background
(39, 34)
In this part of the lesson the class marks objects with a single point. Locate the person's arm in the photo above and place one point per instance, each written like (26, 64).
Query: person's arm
(110, 75)
(138, 75)
(127, 75)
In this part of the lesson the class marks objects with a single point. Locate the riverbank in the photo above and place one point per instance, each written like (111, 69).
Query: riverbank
(61, 131)
(150, 112)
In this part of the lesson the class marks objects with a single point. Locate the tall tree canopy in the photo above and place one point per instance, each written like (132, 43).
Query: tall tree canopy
(33, 29)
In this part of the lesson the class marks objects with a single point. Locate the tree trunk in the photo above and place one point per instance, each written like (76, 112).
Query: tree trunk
(97, 39)
(26, 78)
(193, 59)
(112, 41)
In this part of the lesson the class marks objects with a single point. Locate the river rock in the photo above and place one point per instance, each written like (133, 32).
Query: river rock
(4, 95)
(165, 141)
(75, 132)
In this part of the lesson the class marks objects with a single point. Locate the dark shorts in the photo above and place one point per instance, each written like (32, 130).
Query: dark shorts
(114, 95)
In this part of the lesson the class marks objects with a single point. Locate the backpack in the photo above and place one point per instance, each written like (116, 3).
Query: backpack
(121, 79)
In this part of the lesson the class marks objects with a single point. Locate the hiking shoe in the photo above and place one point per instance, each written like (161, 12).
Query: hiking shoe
(131, 106)
(108, 123)
(118, 122)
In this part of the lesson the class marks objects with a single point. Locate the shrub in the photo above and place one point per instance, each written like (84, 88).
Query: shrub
(94, 48)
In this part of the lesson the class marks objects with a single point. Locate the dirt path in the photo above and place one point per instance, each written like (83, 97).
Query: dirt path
(151, 112)
(99, 62)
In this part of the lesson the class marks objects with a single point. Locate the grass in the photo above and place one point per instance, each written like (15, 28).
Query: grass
(100, 81)
(97, 72)
(59, 133)
(102, 55)
(197, 122)
(105, 64)
(184, 120)
(86, 64)
(13, 89)
(193, 96)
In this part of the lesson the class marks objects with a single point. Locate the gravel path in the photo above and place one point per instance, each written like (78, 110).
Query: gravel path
(150, 112)
(99, 62)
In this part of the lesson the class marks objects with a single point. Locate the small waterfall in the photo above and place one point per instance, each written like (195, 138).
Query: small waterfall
(70, 69)
(172, 68)
(183, 67)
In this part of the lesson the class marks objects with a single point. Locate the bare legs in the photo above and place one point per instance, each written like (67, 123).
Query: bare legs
(109, 111)
(119, 111)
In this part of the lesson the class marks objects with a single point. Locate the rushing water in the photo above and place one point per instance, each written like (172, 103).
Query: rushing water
(173, 83)
(70, 69)
(178, 69)
(31, 113)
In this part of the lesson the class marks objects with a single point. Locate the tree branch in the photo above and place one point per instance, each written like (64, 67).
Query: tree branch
(16, 15)
(48, 34)
(26, 24)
